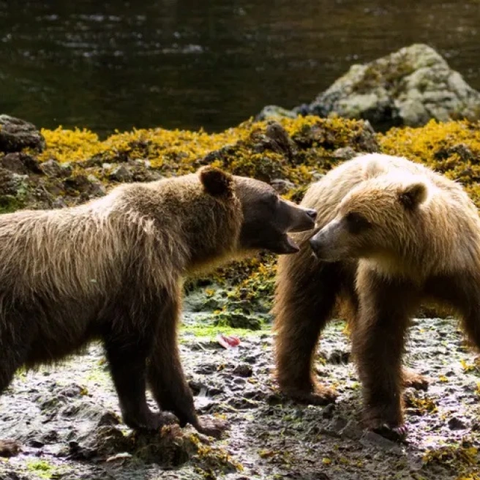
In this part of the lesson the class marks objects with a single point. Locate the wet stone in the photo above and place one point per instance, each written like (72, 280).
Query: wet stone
(352, 430)
(338, 357)
(243, 370)
(377, 440)
(456, 423)
(328, 411)
(252, 358)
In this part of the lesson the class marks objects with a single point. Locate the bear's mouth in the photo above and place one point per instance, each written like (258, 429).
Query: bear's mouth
(287, 245)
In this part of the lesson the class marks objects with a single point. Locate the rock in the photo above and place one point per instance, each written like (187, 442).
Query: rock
(120, 174)
(338, 357)
(84, 186)
(274, 112)
(408, 87)
(352, 431)
(282, 186)
(345, 153)
(456, 423)
(372, 438)
(237, 319)
(276, 139)
(104, 441)
(20, 163)
(243, 370)
(328, 411)
(16, 134)
(51, 168)
(335, 426)
(13, 188)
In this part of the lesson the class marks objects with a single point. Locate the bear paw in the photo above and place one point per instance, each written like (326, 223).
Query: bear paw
(395, 434)
(9, 448)
(321, 395)
(387, 422)
(151, 422)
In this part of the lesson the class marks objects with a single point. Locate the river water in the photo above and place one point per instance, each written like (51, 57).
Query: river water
(190, 63)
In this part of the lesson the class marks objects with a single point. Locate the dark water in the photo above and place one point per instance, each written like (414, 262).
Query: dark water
(213, 63)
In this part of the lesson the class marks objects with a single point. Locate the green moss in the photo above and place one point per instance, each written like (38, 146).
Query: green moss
(42, 469)
(210, 332)
(237, 319)
(10, 203)
(389, 71)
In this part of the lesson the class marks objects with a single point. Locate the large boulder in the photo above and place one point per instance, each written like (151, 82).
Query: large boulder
(408, 87)
(17, 134)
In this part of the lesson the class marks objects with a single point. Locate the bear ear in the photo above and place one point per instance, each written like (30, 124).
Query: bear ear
(413, 195)
(216, 182)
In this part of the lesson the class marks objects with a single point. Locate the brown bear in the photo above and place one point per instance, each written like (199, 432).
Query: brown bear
(112, 270)
(390, 234)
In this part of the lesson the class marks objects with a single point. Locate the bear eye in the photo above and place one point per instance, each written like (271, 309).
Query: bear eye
(356, 222)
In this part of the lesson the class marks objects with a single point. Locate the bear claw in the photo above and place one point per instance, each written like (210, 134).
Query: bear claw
(395, 434)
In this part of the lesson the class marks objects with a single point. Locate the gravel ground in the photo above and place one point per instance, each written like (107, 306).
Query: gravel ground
(67, 417)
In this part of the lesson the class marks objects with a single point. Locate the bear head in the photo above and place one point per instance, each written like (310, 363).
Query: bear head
(381, 217)
(267, 218)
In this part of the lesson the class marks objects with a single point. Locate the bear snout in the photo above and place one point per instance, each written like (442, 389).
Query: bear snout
(312, 214)
(316, 246)
(304, 219)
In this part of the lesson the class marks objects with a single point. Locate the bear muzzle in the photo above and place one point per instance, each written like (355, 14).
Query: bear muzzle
(303, 220)
(326, 243)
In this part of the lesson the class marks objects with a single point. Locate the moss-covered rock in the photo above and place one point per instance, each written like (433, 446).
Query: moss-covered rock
(408, 87)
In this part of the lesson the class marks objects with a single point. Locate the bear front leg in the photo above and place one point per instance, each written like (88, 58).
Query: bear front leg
(167, 380)
(378, 344)
(127, 360)
(305, 296)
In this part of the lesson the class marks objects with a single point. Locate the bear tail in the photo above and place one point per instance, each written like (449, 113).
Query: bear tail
(216, 182)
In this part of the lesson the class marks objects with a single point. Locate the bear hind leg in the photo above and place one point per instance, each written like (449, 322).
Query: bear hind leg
(14, 346)
(15, 343)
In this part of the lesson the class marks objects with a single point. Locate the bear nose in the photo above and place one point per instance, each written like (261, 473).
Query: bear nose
(315, 245)
(312, 213)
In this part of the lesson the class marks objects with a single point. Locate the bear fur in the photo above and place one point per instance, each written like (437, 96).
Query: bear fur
(112, 270)
(390, 235)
